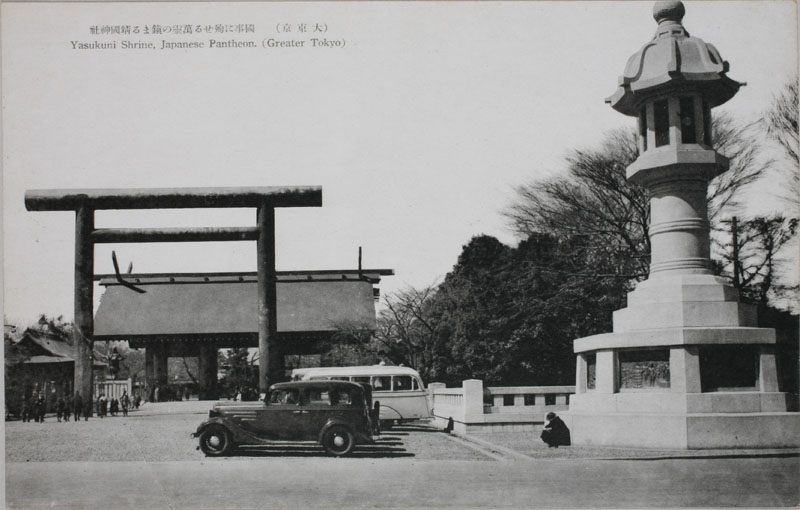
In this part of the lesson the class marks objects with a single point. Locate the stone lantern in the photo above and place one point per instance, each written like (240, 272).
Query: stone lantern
(686, 365)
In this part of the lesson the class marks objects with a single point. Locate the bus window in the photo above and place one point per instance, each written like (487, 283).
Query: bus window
(382, 383)
(365, 380)
(402, 382)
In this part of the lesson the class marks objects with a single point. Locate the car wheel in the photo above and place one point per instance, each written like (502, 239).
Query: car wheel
(338, 440)
(215, 441)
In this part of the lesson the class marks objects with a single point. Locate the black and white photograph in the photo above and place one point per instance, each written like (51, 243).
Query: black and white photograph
(400, 254)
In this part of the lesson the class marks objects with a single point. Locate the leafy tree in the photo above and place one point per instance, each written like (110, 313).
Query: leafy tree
(54, 326)
(472, 308)
(240, 370)
(13, 360)
(509, 315)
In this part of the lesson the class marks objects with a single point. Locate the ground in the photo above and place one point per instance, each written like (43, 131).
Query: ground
(148, 460)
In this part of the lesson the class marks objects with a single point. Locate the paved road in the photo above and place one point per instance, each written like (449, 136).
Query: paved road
(270, 482)
(149, 461)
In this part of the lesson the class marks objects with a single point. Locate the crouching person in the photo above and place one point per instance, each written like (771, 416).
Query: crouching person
(555, 432)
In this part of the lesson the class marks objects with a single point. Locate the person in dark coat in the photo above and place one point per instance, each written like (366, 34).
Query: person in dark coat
(87, 408)
(125, 402)
(60, 408)
(25, 409)
(77, 406)
(41, 407)
(101, 406)
(555, 432)
(67, 407)
(34, 406)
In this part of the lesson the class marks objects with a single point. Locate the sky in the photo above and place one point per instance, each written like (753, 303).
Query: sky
(418, 128)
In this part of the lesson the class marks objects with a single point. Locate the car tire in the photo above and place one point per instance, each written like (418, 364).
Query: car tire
(215, 441)
(338, 440)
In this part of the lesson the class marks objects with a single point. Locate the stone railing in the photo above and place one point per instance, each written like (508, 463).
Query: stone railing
(512, 409)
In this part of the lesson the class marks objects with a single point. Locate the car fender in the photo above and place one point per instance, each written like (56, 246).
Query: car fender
(337, 421)
(207, 423)
(239, 435)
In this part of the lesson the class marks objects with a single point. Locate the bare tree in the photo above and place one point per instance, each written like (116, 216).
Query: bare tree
(781, 125)
(593, 198)
(753, 258)
(739, 142)
(406, 331)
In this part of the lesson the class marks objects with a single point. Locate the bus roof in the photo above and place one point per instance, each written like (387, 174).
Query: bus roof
(363, 370)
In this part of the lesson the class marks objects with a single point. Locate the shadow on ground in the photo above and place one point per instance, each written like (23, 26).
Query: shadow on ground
(387, 447)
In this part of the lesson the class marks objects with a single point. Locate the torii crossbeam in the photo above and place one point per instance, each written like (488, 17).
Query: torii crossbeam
(86, 201)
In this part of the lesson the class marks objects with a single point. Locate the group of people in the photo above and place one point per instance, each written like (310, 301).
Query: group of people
(76, 406)
(245, 394)
(34, 407)
(113, 406)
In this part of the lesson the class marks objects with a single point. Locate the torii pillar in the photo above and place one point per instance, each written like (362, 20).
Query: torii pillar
(86, 201)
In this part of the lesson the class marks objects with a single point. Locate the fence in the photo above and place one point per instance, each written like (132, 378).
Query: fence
(113, 389)
(508, 409)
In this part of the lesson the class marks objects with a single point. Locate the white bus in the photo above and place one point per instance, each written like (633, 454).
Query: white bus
(399, 389)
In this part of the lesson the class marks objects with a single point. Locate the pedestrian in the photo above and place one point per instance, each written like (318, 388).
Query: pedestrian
(155, 394)
(555, 432)
(41, 407)
(25, 410)
(114, 406)
(60, 408)
(77, 406)
(87, 407)
(101, 406)
(67, 406)
(34, 405)
(125, 402)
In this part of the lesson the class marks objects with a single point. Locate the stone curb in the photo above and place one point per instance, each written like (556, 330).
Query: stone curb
(493, 447)
(660, 455)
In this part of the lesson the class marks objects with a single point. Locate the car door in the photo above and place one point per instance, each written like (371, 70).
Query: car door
(318, 409)
(280, 415)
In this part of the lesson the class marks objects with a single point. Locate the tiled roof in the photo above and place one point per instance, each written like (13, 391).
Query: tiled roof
(47, 344)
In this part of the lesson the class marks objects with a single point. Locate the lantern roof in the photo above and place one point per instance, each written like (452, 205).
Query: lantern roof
(673, 61)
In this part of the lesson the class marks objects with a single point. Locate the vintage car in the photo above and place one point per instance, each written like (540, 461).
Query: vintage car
(336, 414)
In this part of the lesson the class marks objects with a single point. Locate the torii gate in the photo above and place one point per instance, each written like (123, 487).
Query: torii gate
(86, 201)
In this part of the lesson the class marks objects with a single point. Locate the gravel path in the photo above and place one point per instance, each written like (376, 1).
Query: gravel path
(161, 433)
